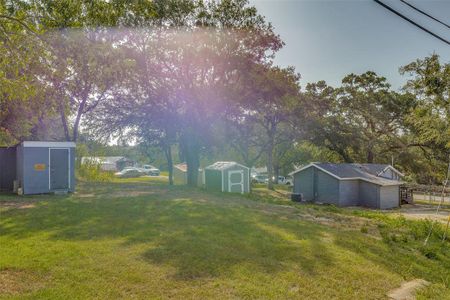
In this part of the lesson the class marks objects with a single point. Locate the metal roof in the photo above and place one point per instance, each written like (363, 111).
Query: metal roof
(366, 172)
(48, 144)
(223, 165)
(182, 167)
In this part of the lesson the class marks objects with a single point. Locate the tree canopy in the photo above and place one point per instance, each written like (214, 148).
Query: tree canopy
(198, 78)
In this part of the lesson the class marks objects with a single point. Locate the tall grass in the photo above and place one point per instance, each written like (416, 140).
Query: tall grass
(91, 171)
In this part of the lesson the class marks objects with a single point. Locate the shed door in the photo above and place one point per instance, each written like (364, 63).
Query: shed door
(59, 169)
(236, 181)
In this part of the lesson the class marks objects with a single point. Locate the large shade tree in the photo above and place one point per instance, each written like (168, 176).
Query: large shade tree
(270, 98)
(428, 123)
(184, 76)
(23, 99)
(360, 120)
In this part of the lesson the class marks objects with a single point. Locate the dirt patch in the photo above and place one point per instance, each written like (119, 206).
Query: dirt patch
(133, 193)
(17, 205)
(85, 195)
(407, 291)
(16, 281)
(420, 211)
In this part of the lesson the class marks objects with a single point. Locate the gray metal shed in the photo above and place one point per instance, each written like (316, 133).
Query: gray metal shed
(7, 168)
(38, 167)
(348, 184)
(227, 176)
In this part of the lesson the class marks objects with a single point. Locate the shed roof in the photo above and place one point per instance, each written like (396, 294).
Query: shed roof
(223, 165)
(43, 144)
(182, 167)
(366, 172)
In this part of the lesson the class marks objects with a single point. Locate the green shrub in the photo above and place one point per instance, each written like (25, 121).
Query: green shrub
(90, 171)
(430, 251)
(364, 229)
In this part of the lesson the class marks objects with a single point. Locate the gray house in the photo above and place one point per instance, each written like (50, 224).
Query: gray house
(369, 185)
(38, 167)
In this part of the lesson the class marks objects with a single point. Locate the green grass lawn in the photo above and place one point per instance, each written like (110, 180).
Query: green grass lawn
(144, 239)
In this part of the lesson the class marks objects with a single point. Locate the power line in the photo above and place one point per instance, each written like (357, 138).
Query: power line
(424, 13)
(411, 21)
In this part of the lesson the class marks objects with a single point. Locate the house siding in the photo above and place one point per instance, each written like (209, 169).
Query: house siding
(327, 189)
(7, 168)
(304, 184)
(213, 180)
(19, 165)
(389, 197)
(72, 170)
(35, 182)
(348, 192)
(369, 194)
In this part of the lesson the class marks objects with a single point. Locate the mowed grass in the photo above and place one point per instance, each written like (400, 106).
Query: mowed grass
(143, 239)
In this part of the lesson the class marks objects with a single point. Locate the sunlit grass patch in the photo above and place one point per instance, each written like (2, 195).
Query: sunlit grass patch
(144, 239)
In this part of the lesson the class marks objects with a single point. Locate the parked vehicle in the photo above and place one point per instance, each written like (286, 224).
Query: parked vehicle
(130, 173)
(150, 170)
(289, 181)
(284, 180)
(260, 179)
(281, 179)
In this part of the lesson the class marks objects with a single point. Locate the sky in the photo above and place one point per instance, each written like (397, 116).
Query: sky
(326, 40)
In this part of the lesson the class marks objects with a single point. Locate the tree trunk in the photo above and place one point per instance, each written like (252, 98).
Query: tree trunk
(64, 123)
(76, 125)
(193, 164)
(370, 156)
(270, 147)
(276, 170)
(191, 150)
(168, 152)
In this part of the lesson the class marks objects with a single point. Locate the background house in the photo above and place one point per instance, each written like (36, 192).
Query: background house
(109, 163)
(258, 171)
(349, 184)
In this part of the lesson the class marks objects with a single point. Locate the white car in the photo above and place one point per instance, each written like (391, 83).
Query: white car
(260, 179)
(284, 180)
(130, 172)
(289, 180)
(150, 170)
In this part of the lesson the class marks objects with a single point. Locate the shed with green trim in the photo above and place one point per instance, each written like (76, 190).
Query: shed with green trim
(227, 176)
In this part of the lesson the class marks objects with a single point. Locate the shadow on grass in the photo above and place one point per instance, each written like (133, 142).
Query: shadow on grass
(181, 226)
(199, 235)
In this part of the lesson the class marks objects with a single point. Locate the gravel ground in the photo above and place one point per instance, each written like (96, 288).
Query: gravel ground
(422, 211)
